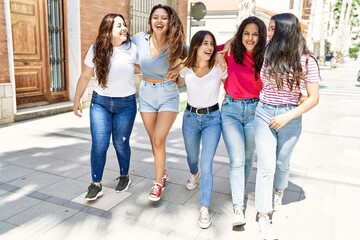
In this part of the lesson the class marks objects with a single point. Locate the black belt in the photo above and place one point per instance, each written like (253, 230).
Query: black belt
(202, 110)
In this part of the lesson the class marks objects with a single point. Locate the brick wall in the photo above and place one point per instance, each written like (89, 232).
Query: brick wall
(181, 9)
(4, 61)
(91, 14)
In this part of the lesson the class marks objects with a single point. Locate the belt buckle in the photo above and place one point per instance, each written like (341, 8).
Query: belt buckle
(196, 111)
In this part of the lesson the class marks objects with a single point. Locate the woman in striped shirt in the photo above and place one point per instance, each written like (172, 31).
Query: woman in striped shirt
(288, 66)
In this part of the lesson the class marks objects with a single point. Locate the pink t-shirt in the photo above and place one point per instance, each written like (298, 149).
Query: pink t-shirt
(241, 83)
(270, 94)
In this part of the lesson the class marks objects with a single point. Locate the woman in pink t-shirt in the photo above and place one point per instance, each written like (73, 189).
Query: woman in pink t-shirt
(288, 66)
(242, 88)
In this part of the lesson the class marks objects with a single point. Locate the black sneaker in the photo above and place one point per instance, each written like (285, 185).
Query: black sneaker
(124, 183)
(94, 192)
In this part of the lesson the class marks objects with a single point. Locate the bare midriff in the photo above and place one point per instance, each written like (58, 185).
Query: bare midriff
(151, 80)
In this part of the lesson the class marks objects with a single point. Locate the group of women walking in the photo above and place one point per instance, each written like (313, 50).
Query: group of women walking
(261, 109)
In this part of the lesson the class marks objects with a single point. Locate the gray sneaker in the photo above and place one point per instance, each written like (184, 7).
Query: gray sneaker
(94, 192)
(124, 183)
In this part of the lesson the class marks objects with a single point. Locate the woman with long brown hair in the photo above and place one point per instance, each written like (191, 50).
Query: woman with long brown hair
(201, 126)
(113, 105)
(160, 49)
(288, 67)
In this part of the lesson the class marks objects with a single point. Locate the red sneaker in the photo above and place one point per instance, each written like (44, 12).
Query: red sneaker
(164, 179)
(155, 193)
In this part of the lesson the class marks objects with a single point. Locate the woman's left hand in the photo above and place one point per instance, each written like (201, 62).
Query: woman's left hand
(172, 75)
(279, 121)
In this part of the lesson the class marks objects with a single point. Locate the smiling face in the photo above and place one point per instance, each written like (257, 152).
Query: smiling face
(250, 36)
(160, 21)
(206, 49)
(271, 29)
(119, 31)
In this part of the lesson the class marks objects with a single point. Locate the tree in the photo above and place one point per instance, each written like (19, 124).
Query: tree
(346, 18)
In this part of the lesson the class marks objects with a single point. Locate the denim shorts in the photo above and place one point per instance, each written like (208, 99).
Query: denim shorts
(158, 97)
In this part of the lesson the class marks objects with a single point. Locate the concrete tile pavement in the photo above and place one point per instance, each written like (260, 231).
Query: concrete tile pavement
(44, 173)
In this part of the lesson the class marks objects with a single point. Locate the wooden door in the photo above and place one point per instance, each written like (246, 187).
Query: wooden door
(30, 50)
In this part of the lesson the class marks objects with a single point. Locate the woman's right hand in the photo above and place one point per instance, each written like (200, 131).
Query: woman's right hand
(77, 109)
(220, 61)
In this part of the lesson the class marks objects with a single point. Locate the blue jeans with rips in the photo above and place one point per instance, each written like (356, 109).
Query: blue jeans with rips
(111, 116)
(204, 128)
(274, 149)
(238, 133)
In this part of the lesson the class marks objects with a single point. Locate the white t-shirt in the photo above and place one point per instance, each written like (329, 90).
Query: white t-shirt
(121, 74)
(203, 91)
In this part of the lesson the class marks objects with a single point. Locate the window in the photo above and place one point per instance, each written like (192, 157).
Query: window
(140, 11)
(56, 45)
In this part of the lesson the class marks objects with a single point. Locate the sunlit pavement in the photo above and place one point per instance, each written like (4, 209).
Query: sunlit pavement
(45, 172)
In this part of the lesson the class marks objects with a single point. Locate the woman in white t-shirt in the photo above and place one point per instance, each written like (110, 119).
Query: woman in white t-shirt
(113, 105)
(202, 120)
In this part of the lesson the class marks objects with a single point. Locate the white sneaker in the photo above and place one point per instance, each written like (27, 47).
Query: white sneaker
(204, 217)
(238, 218)
(277, 203)
(266, 229)
(193, 181)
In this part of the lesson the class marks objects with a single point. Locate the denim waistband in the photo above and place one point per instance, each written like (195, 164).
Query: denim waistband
(285, 105)
(159, 84)
(231, 99)
(94, 93)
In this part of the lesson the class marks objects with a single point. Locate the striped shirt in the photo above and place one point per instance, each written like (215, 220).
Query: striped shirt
(270, 93)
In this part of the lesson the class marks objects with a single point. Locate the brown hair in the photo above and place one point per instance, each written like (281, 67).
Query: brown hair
(175, 35)
(103, 49)
(195, 43)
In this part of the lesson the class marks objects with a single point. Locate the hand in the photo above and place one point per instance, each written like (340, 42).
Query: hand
(171, 75)
(279, 121)
(227, 47)
(302, 98)
(77, 109)
(220, 61)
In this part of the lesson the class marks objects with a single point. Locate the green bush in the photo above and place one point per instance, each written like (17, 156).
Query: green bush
(354, 55)
(353, 50)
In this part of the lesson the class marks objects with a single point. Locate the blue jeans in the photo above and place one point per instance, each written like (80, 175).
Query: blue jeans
(274, 149)
(111, 116)
(158, 97)
(237, 123)
(205, 128)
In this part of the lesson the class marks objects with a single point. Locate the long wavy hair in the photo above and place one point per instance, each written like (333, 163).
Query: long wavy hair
(175, 35)
(283, 53)
(195, 43)
(104, 49)
(238, 48)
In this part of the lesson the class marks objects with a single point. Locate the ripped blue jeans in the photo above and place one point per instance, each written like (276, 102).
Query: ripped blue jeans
(111, 116)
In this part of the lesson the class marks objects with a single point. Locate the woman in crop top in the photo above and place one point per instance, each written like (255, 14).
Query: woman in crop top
(288, 66)
(159, 50)
(202, 121)
(113, 103)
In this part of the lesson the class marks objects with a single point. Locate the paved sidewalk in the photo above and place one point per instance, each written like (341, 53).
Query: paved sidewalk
(44, 174)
